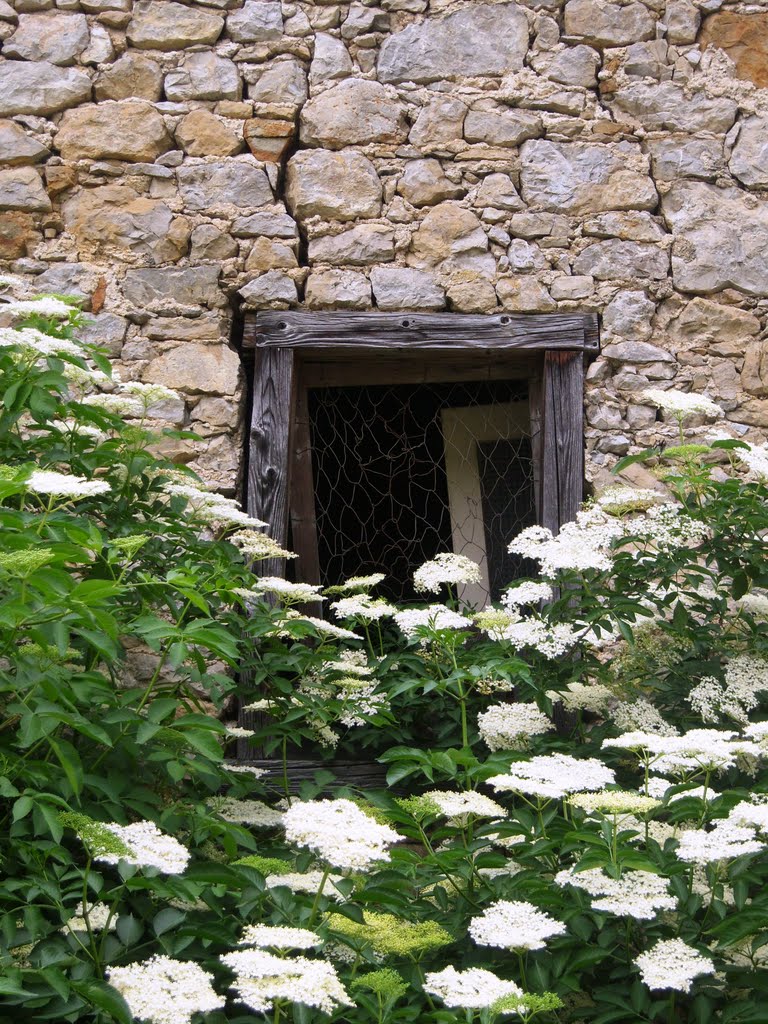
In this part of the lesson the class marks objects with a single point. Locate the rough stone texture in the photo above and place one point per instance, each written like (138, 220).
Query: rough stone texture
(744, 37)
(423, 183)
(56, 37)
(585, 178)
(679, 156)
(524, 295)
(608, 24)
(628, 315)
(22, 189)
(201, 133)
(114, 130)
(337, 289)
(273, 290)
(749, 159)
(133, 76)
(16, 147)
(165, 288)
(711, 249)
(204, 76)
(330, 59)
(665, 106)
(451, 237)
(614, 260)
(354, 112)
(17, 235)
(199, 369)
(211, 185)
(283, 83)
(40, 88)
(397, 288)
(439, 125)
(359, 246)
(171, 26)
(256, 22)
(482, 40)
(339, 186)
(501, 126)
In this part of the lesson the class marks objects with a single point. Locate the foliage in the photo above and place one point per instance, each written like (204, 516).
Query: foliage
(568, 846)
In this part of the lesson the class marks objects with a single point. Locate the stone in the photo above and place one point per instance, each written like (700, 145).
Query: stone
(401, 288)
(273, 225)
(268, 254)
(471, 293)
(423, 184)
(40, 88)
(440, 124)
(284, 82)
(633, 225)
(21, 188)
(16, 147)
(337, 289)
(602, 23)
(636, 352)
(362, 19)
(682, 20)
(204, 76)
(573, 66)
(453, 237)
(663, 106)
(330, 59)
(132, 76)
(568, 289)
(105, 330)
(197, 369)
(208, 243)
(614, 260)
(116, 220)
(166, 25)
(219, 183)
(629, 316)
(749, 159)
(268, 140)
(538, 225)
(744, 37)
(337, 186)
(754, 372)
(524, 257)
(359, 246)
(60, 178)
(354, 112)
(56, 37)
(75, 279)
(679, 156)
(498, 191)
(113, 130)
(273, 290)
(648, 60)
(585, 178)
(201, 133)
(256, 22)
(18, 234)
(712, 250)
(100, 49)
(498, 125)
(167, 289)
(706, 326)
(99, 6)
(484, 39)
(524, 295)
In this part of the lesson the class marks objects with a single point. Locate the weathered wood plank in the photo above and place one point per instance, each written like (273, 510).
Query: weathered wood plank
(302, 498)
(562, 450)
(365, 774)
(420, 367)
(418, 330)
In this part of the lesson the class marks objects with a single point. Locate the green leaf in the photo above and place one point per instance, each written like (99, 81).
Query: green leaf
(167, 919)
(69, 759)
(104, 997)
(22, 807)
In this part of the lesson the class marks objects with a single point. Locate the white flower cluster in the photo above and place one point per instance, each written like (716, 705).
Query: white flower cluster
(460, 806)
(36, 343)
(757, 731)
(45, 306)
(263, 979)
(267, 936)
(755, 458)
(247, 812)
(680, 404)
(321, 626)
(165, 991)
(149, 394)
(148, 847)
(580, 545)
(514, 925)
(446, 568)
(698, 749)
(473, 989)
(553, 776)
(723, 842)
(307, 882)
(338, 832)
(671, 963)
(527, 592)
(752, 813)
(290, 593)
(620, 500)
(360, 700)
(551, 641)
(614, 802)
(509, 726)
(638, 894)
(117, 405)
(640, 715)
(255, 545)
(666, 527)
(435, 617)
(62, 485)
(211, 507)
(99, 917)
(358, 583)
(660, 788)
(583, 696)
(363, 606)
(351, 663)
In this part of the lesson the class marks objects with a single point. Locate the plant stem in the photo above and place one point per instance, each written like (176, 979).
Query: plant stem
(319, 893)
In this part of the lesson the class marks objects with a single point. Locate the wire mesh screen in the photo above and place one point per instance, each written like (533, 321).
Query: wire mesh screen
(403, 472)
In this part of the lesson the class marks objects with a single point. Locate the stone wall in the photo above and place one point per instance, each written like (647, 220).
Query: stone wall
(170, 160)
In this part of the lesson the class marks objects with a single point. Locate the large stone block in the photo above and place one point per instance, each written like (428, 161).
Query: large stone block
(423, 184)
(256, 22)
(706, 326)
(273, 290)
(236, 182)
(338, 289)
(338, 186)
(721, 238)
(453, 236)
(169, 289)
(284, 82)
(749, 159)
(116, 220)
(359, 246)
(21, 188)
(18, 233)
(57, 37)
(330, 59)
(354, 112)
(585, 178)
(744, 37)
(204, 76)
(678, 156)
(486, 39)
(608, 24)
(499, 125)
(440, 124)
(201, 133)
(16, 147)
(198, 369)
(133, 76)
(40, 88)
(167, 25)
(401, 288)
(663, 106)
(629, 316)
(524, 295)
(113, 130)
(614, 260)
